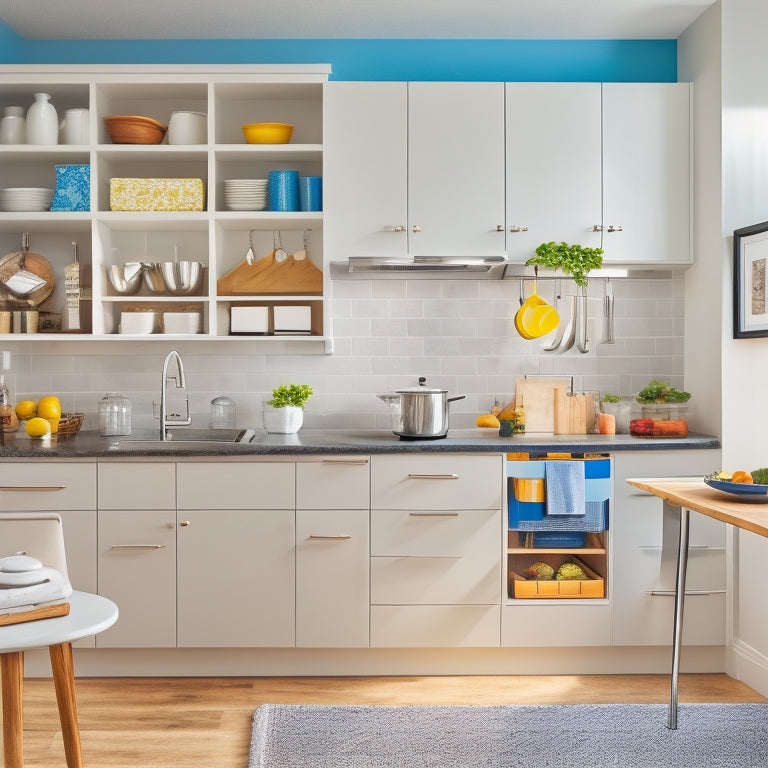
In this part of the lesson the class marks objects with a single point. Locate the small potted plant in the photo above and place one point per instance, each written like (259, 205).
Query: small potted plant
(284, 413)
(621, 408)
(575, 260)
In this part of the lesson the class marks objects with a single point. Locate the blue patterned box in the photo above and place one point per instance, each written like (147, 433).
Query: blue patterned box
(73, 188)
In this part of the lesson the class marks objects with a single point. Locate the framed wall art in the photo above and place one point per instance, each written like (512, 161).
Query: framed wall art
(750, 281)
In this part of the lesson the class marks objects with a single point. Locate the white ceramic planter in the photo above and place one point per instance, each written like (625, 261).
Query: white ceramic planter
(286, 420)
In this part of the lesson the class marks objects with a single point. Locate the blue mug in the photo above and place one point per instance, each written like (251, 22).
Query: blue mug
(283, 190)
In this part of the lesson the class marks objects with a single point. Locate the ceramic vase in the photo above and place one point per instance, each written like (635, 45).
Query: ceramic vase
(42, 121)
(13, 126)
(284, 421)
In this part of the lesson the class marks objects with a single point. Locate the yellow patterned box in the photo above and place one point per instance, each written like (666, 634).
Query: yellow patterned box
(156, 194)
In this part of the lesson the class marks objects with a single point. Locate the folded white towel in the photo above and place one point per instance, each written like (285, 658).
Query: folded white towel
(565, 487)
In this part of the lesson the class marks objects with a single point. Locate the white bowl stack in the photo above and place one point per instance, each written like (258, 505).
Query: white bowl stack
(26, 199)
(245, 194)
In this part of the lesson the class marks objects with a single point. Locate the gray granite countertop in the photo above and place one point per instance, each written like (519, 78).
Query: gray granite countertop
(339, 441)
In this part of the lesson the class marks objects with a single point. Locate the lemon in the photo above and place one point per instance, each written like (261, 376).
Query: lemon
(38, 427)
(49, 407)
(26, 409)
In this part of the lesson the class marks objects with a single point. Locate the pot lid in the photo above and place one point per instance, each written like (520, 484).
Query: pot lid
(421, 391)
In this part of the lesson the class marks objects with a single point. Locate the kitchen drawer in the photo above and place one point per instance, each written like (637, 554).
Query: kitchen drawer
(435, 626)
(552, 624)
(137, 485)
(435, 580)
(471, 532)
(443, 481)
(43, 486)
(334, 482)
(247, 485)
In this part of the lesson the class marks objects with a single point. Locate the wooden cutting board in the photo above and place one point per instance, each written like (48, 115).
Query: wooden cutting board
(33, 614)
(574, 414)
(537, 397)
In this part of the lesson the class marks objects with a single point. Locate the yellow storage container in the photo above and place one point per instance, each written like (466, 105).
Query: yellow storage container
(156, 194)
(593, 586)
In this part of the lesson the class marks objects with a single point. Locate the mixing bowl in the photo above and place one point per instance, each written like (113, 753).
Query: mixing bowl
(181, 277)
(267, 133)
(125, 278)
(153, 277)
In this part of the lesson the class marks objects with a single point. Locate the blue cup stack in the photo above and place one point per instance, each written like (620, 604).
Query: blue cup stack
(283, 190)
(311, 193)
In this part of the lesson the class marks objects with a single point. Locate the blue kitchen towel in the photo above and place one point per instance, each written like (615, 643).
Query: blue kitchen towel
(565, 487)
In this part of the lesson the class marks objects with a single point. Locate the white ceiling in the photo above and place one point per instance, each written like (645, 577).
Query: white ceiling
(416, 19)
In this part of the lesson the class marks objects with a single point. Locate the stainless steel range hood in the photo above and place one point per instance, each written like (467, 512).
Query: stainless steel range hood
(474, 267)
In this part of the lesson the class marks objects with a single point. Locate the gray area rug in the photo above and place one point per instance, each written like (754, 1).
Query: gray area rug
(550, 736)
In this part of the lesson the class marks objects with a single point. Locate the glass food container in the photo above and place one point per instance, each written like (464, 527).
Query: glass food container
(114, 415)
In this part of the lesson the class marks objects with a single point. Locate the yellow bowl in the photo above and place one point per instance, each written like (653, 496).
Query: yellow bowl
(267, 133)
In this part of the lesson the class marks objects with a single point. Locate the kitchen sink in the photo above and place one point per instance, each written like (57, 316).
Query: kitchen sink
(186, 435)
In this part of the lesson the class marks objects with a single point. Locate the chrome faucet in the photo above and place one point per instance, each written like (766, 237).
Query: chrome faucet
(173, 419)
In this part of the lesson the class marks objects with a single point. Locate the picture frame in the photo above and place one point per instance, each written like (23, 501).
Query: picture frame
(750, 281)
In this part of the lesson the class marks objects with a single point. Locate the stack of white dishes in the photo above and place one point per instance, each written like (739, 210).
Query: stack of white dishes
(26, 199)
(245, 194)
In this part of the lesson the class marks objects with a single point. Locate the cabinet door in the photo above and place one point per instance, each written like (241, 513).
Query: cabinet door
(456, 169)
(646, 172)
(554, 165)
(332, 582)
(365, 178)
(236, 578)
(334, 482)
(137, 570)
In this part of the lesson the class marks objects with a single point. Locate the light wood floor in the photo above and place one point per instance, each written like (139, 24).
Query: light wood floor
(206, 722)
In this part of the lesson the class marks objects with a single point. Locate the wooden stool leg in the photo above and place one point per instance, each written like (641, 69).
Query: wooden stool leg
(12, 682)
(62, 665)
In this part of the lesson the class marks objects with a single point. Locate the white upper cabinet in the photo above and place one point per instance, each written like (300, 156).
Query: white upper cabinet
(456, 169)
(554, 166)
(366, 178)
(647, 173)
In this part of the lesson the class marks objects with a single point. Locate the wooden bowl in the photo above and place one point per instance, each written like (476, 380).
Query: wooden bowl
(134, 129)
(267, 133)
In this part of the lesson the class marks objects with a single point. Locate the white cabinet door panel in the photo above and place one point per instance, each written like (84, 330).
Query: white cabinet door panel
(555, 623)
(434, 626)
(137, 485)
(332, 578)
(365, 169)
(456, 168)
(554, 165)
(47, 486)
(334, 482)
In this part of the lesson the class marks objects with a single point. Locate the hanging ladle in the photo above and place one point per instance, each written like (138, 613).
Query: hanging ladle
(582, 344)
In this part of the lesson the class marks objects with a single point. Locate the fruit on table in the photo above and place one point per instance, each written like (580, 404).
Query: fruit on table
(541, 571)
(38, 427)
(26, 409)
(740, 476)
(722, 475)
(487, 420)
(568, 571)
(49, 408)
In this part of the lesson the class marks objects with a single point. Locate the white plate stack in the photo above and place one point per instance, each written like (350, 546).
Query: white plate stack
(26, 199)
(245, 194)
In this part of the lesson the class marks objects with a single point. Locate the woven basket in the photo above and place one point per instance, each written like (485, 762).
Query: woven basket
(70, 423)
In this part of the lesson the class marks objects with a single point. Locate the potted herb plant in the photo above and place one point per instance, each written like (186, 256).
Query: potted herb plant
(575, 260)
(284, 413)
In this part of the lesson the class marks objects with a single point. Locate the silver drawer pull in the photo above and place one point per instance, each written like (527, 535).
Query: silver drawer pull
(138, 546)
(341, 537)
(433, 514)
(33, 487)
(671, 592)
(344, 461)
(416, 476)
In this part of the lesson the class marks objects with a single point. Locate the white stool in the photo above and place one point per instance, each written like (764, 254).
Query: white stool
(89, 614)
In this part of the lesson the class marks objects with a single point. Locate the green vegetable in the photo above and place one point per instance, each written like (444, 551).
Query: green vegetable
(661, 392)
(292, 394)
(574, 260)
(611, 399)
(568, 571)
(540, 571)
(760, 476)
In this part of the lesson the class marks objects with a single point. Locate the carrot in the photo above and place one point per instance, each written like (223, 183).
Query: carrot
(606, 423)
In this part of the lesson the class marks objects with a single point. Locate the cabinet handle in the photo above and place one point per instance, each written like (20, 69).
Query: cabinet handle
(417, 476)
(395, 228)
(597, 228)
(344, 461)
(138, 546)
(671, 592)
(518, 228)
(33, 487)
(433, 514)
(184, 523)
(499, 227)
(341, 537)
(617, 228)
(416, 228)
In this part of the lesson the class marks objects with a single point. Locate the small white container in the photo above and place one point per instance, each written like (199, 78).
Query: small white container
(181, 322)
(283, 421)
(187, 128)
(249, 320)
(13, 126)
(138, 323)
(292, 319)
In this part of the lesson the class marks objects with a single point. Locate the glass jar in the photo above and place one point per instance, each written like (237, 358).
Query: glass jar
(114, 415)
(223, 413)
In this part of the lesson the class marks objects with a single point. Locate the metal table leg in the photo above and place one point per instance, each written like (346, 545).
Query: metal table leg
(682, 565)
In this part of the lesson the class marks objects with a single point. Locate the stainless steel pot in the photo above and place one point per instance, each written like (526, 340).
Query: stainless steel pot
(420, 413)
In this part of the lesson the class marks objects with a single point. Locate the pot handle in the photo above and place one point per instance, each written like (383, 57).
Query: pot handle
(451, 399)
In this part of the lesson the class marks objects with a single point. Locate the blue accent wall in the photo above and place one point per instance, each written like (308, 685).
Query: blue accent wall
(491, 60)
